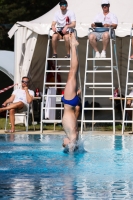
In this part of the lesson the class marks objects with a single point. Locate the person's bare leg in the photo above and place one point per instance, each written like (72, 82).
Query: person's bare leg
(12, 119)
(67, 43)
(11, 108)
(71, 86)
(93, 42)
(132, 47)
(77, 111)
(18, 105)
(105, 40)
(55, 39)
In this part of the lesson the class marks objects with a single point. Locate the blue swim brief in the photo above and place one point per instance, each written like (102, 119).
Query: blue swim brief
(73, 102)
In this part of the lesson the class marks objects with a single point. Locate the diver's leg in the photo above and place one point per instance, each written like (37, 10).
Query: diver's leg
(71, 85)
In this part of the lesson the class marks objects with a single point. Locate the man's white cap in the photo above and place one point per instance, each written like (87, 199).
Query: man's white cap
(105, 2)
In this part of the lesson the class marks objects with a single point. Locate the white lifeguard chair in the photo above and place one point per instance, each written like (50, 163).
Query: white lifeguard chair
(62, 66)
(95, 88)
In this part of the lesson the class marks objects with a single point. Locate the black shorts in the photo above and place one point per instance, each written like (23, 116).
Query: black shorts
(62, 34)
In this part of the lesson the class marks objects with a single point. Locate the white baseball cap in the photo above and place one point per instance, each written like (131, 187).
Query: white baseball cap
(105, 2)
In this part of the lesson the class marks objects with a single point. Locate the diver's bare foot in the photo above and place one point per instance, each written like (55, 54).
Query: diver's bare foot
(73, 41)
(131, 56)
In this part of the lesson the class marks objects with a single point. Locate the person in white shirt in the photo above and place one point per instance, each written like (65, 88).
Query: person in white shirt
(108, 20)
(64, 20)
(18, 101)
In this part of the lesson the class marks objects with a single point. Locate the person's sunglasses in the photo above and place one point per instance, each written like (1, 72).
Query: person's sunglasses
(65, 5)
(105, 5)
(26, 82)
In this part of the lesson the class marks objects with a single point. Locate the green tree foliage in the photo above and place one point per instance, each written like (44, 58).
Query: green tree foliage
(24, 10)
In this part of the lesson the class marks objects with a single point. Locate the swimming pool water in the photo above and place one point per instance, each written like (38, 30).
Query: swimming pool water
(35, 167)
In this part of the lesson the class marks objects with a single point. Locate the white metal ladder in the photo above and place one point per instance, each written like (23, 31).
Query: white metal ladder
(91, 87)
(61, 68)
(129, 85)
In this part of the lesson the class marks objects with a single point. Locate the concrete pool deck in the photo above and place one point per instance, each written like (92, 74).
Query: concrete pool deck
(62, 132)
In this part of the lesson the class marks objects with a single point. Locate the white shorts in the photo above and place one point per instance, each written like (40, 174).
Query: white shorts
(99, 35)
(25, 107)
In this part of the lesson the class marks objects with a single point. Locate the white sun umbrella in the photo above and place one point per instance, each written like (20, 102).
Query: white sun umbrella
(7, 63)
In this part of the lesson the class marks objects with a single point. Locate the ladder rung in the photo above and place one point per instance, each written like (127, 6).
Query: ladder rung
(59, 59)
(99, 121)
(57, 71)
(98, 71)
(53, 108)
(128, 121)
(102, 67)
(129, 109)
(119, 120)
(60, 87)
(98, 84)
(55, 87)
(102, 96)
(20, 114)
(98, 58)
(128, 97)
(51, 121)
(79, 120)
(50, 95)
(47, 83)
(117, 98)
(101, 88)
(105, 67)
(60, 66)
(130, 84)
(130, 70)
(61, 40)
(97, 108)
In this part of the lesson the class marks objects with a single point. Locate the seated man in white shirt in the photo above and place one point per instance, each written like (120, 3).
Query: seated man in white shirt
(18, 101)
(63, 21)
(107, 19)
